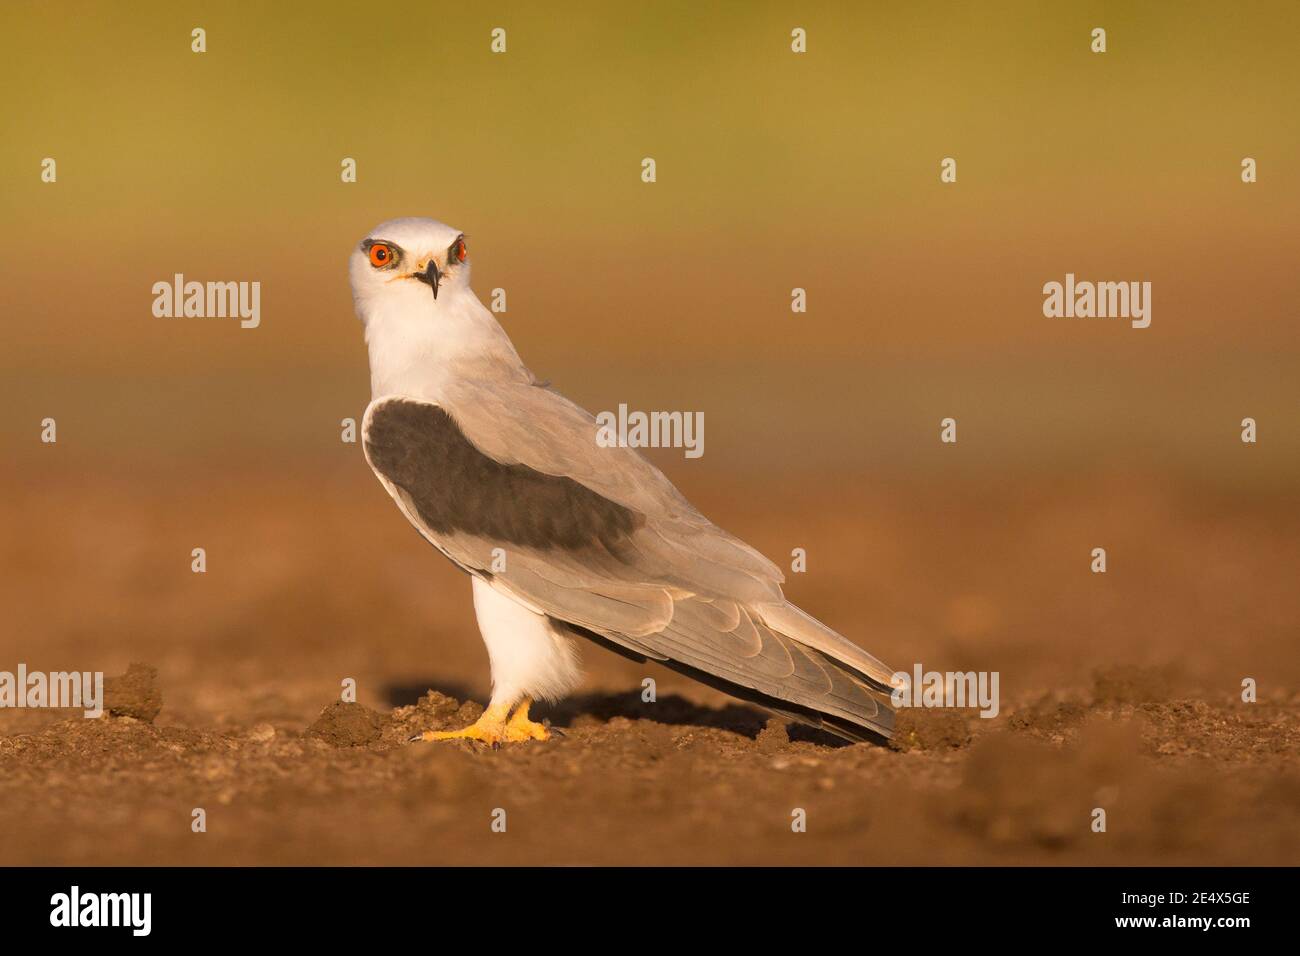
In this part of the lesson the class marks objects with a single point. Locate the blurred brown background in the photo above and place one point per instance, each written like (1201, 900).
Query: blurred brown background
(775, 170)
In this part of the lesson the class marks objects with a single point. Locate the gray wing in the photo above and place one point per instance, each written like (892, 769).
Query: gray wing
(599, 540)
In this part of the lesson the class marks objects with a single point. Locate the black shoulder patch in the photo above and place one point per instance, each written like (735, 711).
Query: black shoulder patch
(455, 487)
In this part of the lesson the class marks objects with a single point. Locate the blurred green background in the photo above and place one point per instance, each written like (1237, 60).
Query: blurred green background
(775, 170)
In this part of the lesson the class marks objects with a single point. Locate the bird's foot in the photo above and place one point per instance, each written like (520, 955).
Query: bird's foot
(494, 728)
(520, 728)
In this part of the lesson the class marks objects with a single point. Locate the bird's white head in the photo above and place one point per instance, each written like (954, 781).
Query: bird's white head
(408, 263)
(424, 325)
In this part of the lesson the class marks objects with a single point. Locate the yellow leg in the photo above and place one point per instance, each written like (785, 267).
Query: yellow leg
(495, 727)
(519, 727)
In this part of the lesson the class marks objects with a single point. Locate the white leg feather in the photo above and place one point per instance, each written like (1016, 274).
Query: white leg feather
(529, 657)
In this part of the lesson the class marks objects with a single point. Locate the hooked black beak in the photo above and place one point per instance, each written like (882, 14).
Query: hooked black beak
(431, 276)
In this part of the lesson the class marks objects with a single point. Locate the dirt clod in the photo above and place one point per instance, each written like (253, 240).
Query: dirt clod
(773, 737)
(134, 694)
(343, 724)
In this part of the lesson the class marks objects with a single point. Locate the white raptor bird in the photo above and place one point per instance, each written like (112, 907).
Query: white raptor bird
(560, 536)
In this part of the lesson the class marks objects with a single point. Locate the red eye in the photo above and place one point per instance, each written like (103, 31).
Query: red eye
(458, 251)
(380, 255)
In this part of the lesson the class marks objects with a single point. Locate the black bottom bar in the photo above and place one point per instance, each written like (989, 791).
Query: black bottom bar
(331, 905)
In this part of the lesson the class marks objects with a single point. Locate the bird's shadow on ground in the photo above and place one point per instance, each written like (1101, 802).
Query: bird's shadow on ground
(671, 709)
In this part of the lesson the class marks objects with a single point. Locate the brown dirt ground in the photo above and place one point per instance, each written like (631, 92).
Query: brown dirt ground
(1118, 691)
